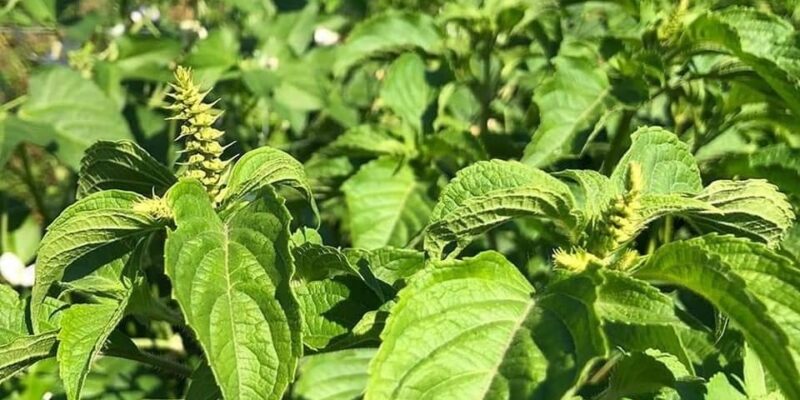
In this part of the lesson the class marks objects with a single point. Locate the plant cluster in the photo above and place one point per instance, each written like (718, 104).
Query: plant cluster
(337, 199)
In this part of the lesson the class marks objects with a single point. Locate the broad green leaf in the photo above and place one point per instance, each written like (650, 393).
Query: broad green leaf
(75, 110)
(472, 329)
(739, 208)
(365, 141)
(753, 374)
(387, 32)
(637, 317)
(100, 224)
(749, 284)
(667, 164)
(388, 264)
(570, 102)
(405, 90)
(644, 373)
(84, 329)
(202, 385)
(231, 279)
(267, 166)
(333, 295)
(719, 388)
(489, 193)
(332, 307)
(387, 205)
(12, 315)
(778, 164)
(25, 351)
(122, 165)
(339, 375)
(765, 42)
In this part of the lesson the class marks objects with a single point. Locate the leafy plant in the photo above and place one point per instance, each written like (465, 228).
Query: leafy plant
(401, 199)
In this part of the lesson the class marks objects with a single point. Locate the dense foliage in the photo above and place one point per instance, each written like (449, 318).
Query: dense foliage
(342, 199)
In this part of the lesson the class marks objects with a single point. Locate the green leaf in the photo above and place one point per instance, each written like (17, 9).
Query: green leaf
(122, 165)
(263, 167)
(387, 32)
(765, 42)
(644, 373)
(387, 205)
(569, 102)
(101, 225)
(246, 320)
(388, 264)
(471, 329)
(365, 141)
(667, 164)
(333, 294)
(592, 191)
(84, 329)
(24, 352)
(739, 209)
(489, 193)
(751, 285)
(719, 388)
(339, 375)
(76, 112)
(405, 90)
(779, 164)
(12, 315)
(202, 385)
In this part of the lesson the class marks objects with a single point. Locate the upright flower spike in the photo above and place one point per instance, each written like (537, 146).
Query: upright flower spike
(203, 160)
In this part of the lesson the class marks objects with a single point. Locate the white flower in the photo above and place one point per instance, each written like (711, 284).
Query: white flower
(202, 33)
(117, 30)
(136, 17)
(325, 37)
(47, 396)
(15, 272)
(152, 13)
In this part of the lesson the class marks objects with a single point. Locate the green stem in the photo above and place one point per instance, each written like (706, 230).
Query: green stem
(160, 363)
(11, 104)
(620, 142)
(30, 182)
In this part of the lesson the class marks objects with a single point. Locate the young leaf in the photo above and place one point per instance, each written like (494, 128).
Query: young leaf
(569, 102)
(765, 42)
(472, 330)
(667, 164)
(739, 209)
(387, 205)
(122, 165)
(405, 90)
(76, 111)
(339, 375)
(489, 193)
(386, 32)
(263, 167)
(755, 305)
(231, 279)
(103, 222)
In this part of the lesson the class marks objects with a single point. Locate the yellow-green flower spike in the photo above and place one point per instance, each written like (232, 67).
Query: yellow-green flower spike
(576, 260)
(202, 150)
(155, 207)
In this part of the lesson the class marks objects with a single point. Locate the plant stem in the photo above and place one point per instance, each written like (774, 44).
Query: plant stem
(620, 142)
(160, 363)
(30, 182)
(9, 105)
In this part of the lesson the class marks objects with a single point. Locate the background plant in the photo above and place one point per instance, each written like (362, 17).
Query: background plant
(399, 114)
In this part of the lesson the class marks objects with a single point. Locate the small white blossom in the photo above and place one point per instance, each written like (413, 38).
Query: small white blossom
(15, 272)
(202, 33)
(152, 13)
(325, 37)
(136, 16)
(117, 30)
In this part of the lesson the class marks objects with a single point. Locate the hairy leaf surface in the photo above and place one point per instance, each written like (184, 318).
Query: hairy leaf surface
(122, 165)
(231, 279)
